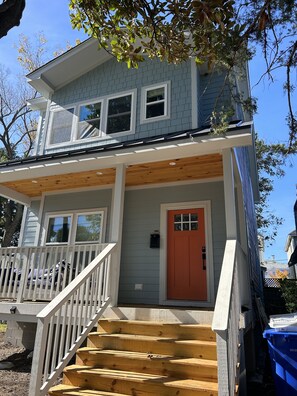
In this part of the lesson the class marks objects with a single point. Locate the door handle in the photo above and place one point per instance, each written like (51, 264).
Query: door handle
(203, 252)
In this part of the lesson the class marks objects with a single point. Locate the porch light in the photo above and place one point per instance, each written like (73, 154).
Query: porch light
(34, 181)
(172, 163)
(99, 173)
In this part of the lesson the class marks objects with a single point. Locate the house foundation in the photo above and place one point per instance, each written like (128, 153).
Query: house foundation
(21, 334)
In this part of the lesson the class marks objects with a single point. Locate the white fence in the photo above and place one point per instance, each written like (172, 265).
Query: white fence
(40, 273)
(226, 319)
(65, 322)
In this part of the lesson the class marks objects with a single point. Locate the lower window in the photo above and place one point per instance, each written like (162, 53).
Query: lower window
(76, 227)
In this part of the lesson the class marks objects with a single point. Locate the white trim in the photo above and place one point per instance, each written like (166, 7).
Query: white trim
(14, 195)
(22, 230)
(206, 205)
(37, 138)
(229, 194)
(131, 92)
(45, 129)
(167, 101)
(39, 229)
(194, 93)
(79, 189)
(175, 183)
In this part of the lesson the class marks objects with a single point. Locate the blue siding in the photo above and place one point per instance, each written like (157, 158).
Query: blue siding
(243, 159)
(113, 77)
(213, 95)
(31, 224)
(139, 263)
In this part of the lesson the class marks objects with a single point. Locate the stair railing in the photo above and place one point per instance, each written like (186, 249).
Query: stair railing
(65, 322)
(227, 314)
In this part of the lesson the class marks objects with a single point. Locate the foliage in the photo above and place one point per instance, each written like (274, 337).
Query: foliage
(216, 32)
(289, 294)
(271, 159)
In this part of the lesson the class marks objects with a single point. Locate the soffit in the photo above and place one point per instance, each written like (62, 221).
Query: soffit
(174, 170)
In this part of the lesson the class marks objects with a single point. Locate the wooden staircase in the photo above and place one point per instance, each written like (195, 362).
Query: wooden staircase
(143, 359)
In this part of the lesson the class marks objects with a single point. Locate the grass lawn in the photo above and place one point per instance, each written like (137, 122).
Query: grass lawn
(3, 327)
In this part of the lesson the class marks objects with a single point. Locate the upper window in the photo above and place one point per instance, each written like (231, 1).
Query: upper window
(119, 114)
(109, 115)
(89, 120)
(155, 102)
(61, 125)
(76, 227)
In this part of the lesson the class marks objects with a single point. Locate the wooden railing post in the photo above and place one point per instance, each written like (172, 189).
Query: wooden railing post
(25, 259)
(39, 352)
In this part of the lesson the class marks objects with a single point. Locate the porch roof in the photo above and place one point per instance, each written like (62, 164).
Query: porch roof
(192, 154)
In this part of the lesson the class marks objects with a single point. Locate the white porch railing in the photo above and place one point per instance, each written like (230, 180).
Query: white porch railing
(66, 321)
(39, 273)
(226, 319)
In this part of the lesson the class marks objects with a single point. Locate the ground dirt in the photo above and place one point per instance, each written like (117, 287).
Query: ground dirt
(15, 380)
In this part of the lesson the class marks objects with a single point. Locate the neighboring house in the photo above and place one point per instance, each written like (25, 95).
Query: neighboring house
(126, 172)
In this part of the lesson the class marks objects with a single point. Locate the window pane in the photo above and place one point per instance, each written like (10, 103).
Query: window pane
(88, 227)
(61, 126)
(119, 105)
(89, 117)
(58, 229)
(154, 95)
(155, 110)
(119, 114)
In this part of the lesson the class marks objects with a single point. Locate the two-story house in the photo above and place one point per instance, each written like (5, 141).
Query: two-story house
(135, 210)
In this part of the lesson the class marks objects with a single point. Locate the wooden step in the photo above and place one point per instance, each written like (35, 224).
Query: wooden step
(135, 383)
(157, 329)
(68, 390)
(153, 345)
(194, 368)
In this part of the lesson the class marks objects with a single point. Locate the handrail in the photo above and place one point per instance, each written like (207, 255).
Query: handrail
(226, 319)
(66, 321)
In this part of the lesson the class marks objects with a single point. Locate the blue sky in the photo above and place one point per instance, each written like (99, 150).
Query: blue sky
(51, 18)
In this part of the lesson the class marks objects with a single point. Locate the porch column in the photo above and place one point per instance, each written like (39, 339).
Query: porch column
(229, 193)
(117, 211)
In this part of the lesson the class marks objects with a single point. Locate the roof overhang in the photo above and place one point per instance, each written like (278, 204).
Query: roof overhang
(135, 154)
(67, 67)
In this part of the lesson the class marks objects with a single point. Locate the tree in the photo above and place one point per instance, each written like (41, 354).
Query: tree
(17, 128)
(11, 12)
(271, 159)
(223, 33)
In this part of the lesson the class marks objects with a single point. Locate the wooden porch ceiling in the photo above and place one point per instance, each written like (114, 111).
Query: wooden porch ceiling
(182, 169)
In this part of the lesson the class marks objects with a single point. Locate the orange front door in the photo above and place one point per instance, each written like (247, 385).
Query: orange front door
(186, 255)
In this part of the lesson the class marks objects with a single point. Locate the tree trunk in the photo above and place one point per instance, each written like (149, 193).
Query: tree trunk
(12, 223)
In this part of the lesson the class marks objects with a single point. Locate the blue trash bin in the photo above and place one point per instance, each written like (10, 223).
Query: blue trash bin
(283, 356)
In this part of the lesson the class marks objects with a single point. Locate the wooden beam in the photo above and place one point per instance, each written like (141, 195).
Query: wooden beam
(14, 195)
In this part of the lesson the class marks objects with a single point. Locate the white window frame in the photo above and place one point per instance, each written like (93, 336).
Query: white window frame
(73, 214)
(133, 113)
(53, 110)
(104, 100)
(51, 216)
(167, 89)
(89, 102)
